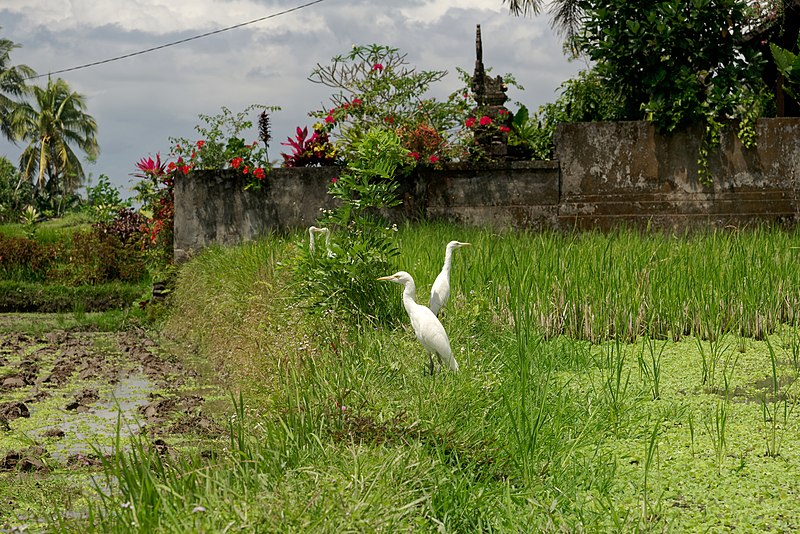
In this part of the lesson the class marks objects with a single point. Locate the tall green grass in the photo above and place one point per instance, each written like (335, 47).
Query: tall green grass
(582, 403)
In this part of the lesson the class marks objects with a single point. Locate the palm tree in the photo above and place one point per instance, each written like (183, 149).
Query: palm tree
(566, 14)
(12, 84)
(52, 124)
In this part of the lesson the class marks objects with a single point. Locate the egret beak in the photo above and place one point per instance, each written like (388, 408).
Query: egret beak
(384, 278)
(466, 244)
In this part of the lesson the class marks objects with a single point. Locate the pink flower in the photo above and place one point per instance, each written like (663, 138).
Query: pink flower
(470, 122)
(150, 167)
(329, 119)
(414, 155)
(433, 159)
(505, 129)
(378, 67)
(485, 120)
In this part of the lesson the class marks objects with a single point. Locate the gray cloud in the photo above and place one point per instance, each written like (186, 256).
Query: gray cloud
(142, 101)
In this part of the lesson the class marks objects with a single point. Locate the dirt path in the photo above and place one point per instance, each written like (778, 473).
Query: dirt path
(64, 393)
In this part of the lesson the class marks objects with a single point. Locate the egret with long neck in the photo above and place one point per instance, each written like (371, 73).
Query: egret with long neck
(429, 331)
(440, 291)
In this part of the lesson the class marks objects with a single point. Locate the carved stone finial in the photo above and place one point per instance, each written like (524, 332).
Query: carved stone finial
(490, 95)
(478, 45)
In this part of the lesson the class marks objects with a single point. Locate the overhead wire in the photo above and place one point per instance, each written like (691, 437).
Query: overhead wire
(181, 41)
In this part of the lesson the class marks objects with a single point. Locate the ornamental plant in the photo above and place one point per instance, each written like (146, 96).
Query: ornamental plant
(376, 87)
(310, 151)
(363, 241)
(222, 145)
(155, 193)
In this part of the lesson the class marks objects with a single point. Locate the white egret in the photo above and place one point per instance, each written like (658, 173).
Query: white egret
(440, 291)
(428, 329)
(312, 232)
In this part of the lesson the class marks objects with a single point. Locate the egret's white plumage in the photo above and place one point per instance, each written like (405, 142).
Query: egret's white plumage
(312, 233)
(440, 291)
(428, 329)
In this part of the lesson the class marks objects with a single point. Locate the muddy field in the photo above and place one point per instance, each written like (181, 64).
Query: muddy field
(66, 393)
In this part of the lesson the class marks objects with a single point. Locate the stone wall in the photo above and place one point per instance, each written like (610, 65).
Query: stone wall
(624, 172)
(605, 174)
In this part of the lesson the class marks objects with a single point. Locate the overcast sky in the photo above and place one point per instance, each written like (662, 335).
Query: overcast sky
(142, 101)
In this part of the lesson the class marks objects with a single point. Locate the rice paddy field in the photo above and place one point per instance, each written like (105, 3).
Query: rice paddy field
(622, 382)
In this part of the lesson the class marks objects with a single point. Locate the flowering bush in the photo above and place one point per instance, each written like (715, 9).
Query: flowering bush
(155, 192)
(424, 143)
(222, 145)
(308, 151)
(377, 88)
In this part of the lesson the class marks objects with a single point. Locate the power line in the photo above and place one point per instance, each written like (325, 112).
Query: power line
(84, 66)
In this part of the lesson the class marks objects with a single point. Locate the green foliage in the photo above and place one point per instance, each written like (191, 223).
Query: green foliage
(105, 252)
(377, 88)
(343, 282)
(676, 63)
(221, 141)
(52, 123)
(103, 200)
(19, 296)
(13, 195)
(788, 64)
(582, 99)
(538, 428)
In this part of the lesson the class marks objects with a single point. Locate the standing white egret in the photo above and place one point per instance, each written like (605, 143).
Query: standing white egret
(312, 232)
(440, 291)
(428, 329)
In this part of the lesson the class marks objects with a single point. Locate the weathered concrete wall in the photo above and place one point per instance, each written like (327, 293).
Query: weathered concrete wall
(212, 206)
(500, 195)
(624, 172)
(606, 174)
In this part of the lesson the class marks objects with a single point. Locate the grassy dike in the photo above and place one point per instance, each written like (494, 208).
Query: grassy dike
(617, 382)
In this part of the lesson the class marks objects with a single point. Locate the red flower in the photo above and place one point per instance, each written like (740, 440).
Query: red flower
(505, 129)
(356, 101)
(485, 120)
(378, 67)
(414, 155)
(171, 166)
(200, 143)
(433, 159)
(502, 111)
(150, 167)
(389, 119)
(246, 169)
(259, 173)
(185, 169)
(235, 162)
(329, 119)
(470, 122)
(334, 179)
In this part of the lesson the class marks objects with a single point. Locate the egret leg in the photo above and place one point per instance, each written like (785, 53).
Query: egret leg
(430, 363)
